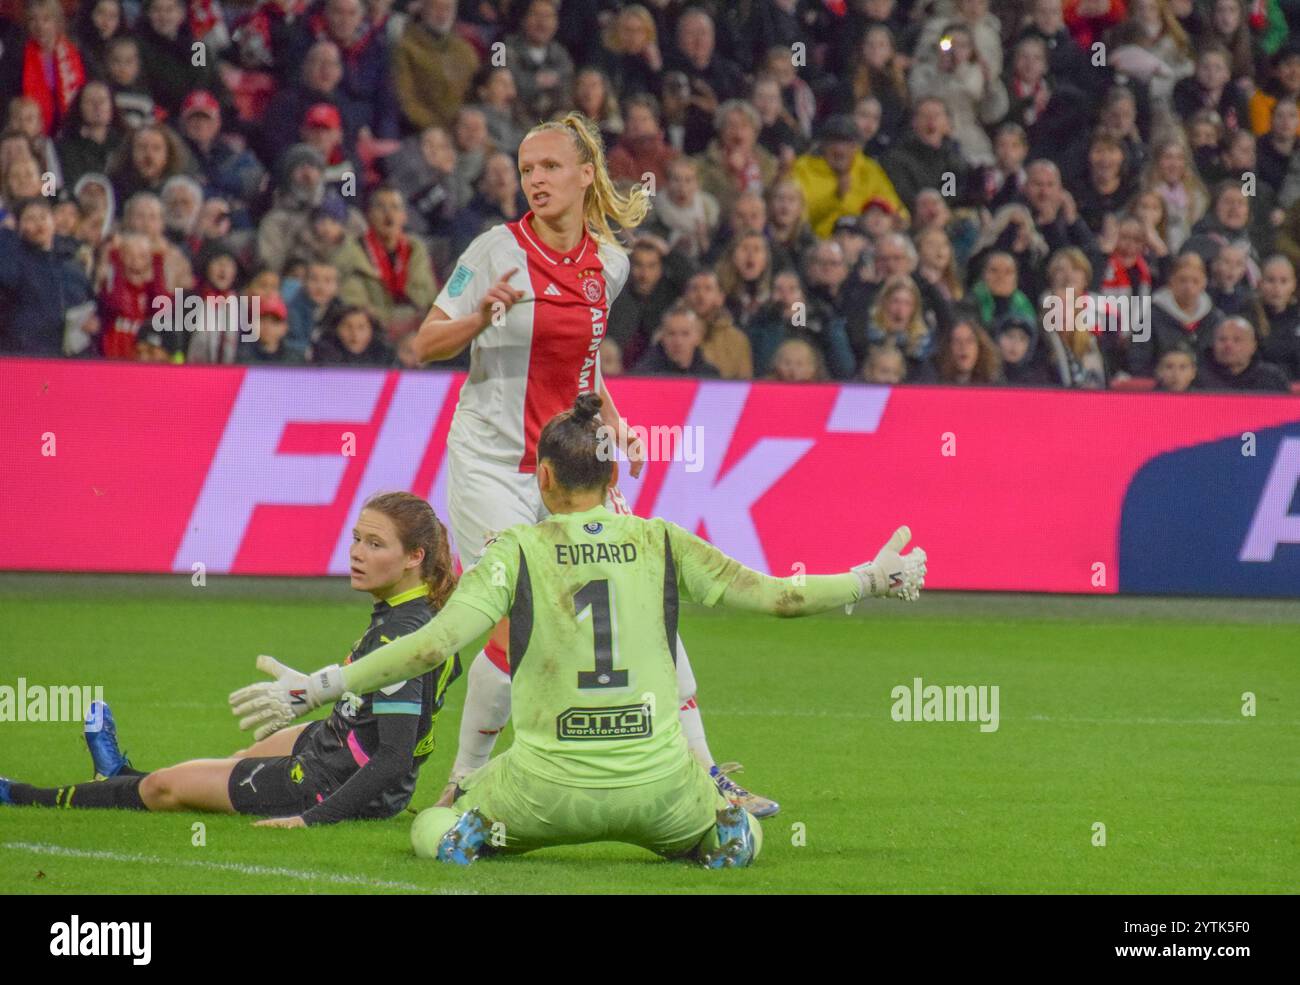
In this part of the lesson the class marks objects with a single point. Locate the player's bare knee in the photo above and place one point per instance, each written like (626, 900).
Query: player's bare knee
(158, 791)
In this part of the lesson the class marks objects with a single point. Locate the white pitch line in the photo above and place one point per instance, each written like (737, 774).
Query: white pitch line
(305, 875)
(883, 716)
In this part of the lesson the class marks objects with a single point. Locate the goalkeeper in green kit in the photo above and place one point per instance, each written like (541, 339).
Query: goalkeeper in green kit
(593, 601)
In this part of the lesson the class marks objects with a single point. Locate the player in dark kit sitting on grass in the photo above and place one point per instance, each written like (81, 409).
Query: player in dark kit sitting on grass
(362, 761)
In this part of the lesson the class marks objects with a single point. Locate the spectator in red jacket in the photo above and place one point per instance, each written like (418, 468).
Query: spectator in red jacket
(52, 72)
(126, 299)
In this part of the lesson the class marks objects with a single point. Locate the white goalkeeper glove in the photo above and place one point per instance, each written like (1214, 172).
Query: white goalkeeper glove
(891, 574)
(271, 705)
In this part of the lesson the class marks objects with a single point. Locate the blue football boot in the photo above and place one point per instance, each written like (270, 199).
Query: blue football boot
(466, 840)
(101, 739)
(736, 844)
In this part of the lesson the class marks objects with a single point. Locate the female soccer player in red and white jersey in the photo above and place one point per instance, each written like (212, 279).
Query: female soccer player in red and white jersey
(531, 299)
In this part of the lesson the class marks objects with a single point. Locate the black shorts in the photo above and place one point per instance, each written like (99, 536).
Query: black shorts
(278, 786)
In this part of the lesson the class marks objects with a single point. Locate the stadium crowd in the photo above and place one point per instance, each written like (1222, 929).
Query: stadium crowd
(1095, 193)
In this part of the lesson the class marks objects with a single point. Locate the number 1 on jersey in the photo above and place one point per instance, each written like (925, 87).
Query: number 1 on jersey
(595, 595)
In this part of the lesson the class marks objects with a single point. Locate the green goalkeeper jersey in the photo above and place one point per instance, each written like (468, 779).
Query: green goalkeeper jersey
(592, 599)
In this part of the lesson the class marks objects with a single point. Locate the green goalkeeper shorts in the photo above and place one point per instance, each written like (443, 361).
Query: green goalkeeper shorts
(672, 816)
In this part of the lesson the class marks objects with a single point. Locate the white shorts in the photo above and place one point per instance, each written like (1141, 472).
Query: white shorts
(485, 496)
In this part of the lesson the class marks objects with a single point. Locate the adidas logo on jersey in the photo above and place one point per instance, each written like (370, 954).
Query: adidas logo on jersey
(552, 290)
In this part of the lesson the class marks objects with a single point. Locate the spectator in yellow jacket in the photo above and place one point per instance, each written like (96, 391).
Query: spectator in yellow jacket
(839, 179)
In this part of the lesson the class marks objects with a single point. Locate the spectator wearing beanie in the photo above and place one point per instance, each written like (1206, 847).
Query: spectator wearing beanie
(301, 189)
(323, 236)
(1024, 356)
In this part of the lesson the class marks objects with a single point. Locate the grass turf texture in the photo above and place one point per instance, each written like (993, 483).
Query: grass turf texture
(1126, 712)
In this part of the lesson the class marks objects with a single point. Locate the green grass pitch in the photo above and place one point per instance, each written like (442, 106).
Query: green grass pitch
(1123, 712)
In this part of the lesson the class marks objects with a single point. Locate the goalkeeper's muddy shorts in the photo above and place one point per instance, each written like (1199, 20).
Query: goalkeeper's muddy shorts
(671, 816)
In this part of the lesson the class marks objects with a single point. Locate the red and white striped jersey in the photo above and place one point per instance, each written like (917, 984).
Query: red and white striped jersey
(531, 367)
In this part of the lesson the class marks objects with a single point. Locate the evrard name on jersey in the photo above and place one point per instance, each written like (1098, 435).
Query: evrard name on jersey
(595, 553)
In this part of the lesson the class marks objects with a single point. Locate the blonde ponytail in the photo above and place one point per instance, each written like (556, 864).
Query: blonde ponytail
(602, 201)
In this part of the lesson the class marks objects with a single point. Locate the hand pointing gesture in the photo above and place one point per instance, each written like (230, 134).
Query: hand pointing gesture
(499, 299)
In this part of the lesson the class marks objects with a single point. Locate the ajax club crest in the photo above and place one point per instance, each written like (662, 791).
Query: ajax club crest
(591, 287)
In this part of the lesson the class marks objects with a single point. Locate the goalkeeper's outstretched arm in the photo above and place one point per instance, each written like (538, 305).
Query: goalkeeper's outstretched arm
(890, 574)
(707, 575)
